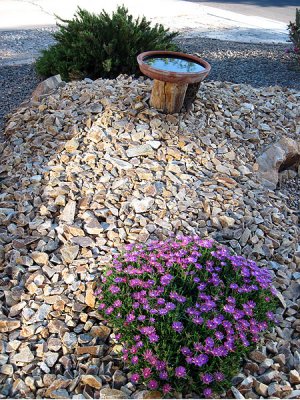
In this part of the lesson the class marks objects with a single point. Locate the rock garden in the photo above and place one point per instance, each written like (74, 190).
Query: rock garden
(88, 168)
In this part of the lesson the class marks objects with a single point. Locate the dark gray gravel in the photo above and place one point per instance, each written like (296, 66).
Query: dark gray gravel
(16, 84)
(23, 46)
(251, 63)
(254, 64)
(291, 191)
(18, 50)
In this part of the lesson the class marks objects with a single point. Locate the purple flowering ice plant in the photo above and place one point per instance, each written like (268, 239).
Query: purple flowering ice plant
(186, 310)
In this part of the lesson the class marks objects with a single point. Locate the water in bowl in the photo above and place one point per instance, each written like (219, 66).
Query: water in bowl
(174, 64)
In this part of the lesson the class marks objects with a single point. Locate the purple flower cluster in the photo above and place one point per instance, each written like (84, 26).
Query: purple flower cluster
(183, 306)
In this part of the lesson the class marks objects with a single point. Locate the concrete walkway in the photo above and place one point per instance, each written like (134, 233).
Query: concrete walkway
(194, 18)
(279, 10)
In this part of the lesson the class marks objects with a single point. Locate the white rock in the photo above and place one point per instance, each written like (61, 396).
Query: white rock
(236, 393)
(39, 257)
(142, 150)
(68, 213)
(120, 164)
(226, 222)
(144, 205)
(23, 357)
(155, 144)
(72, 145)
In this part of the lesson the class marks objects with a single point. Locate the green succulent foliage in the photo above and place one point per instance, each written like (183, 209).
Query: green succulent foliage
(101, 45)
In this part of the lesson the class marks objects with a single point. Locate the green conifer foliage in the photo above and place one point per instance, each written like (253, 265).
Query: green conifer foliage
(101, 45)
(294, 34)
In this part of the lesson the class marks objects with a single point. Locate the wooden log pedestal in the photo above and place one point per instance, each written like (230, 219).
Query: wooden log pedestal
(168, 97)
(171, 90)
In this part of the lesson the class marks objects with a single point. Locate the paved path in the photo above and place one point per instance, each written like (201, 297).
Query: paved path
(279, 10)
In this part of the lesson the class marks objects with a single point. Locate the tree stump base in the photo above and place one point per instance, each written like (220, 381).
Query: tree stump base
(167, 96)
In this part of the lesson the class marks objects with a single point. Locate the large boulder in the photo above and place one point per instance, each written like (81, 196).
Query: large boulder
(281, 155)
(46, 87)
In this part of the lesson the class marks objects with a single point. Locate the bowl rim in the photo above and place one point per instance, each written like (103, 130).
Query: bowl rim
(141, 57)
(159, 74)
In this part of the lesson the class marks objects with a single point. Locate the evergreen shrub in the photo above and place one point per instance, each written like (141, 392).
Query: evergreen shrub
(186, 310)
(101, 45)
(294, 35)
